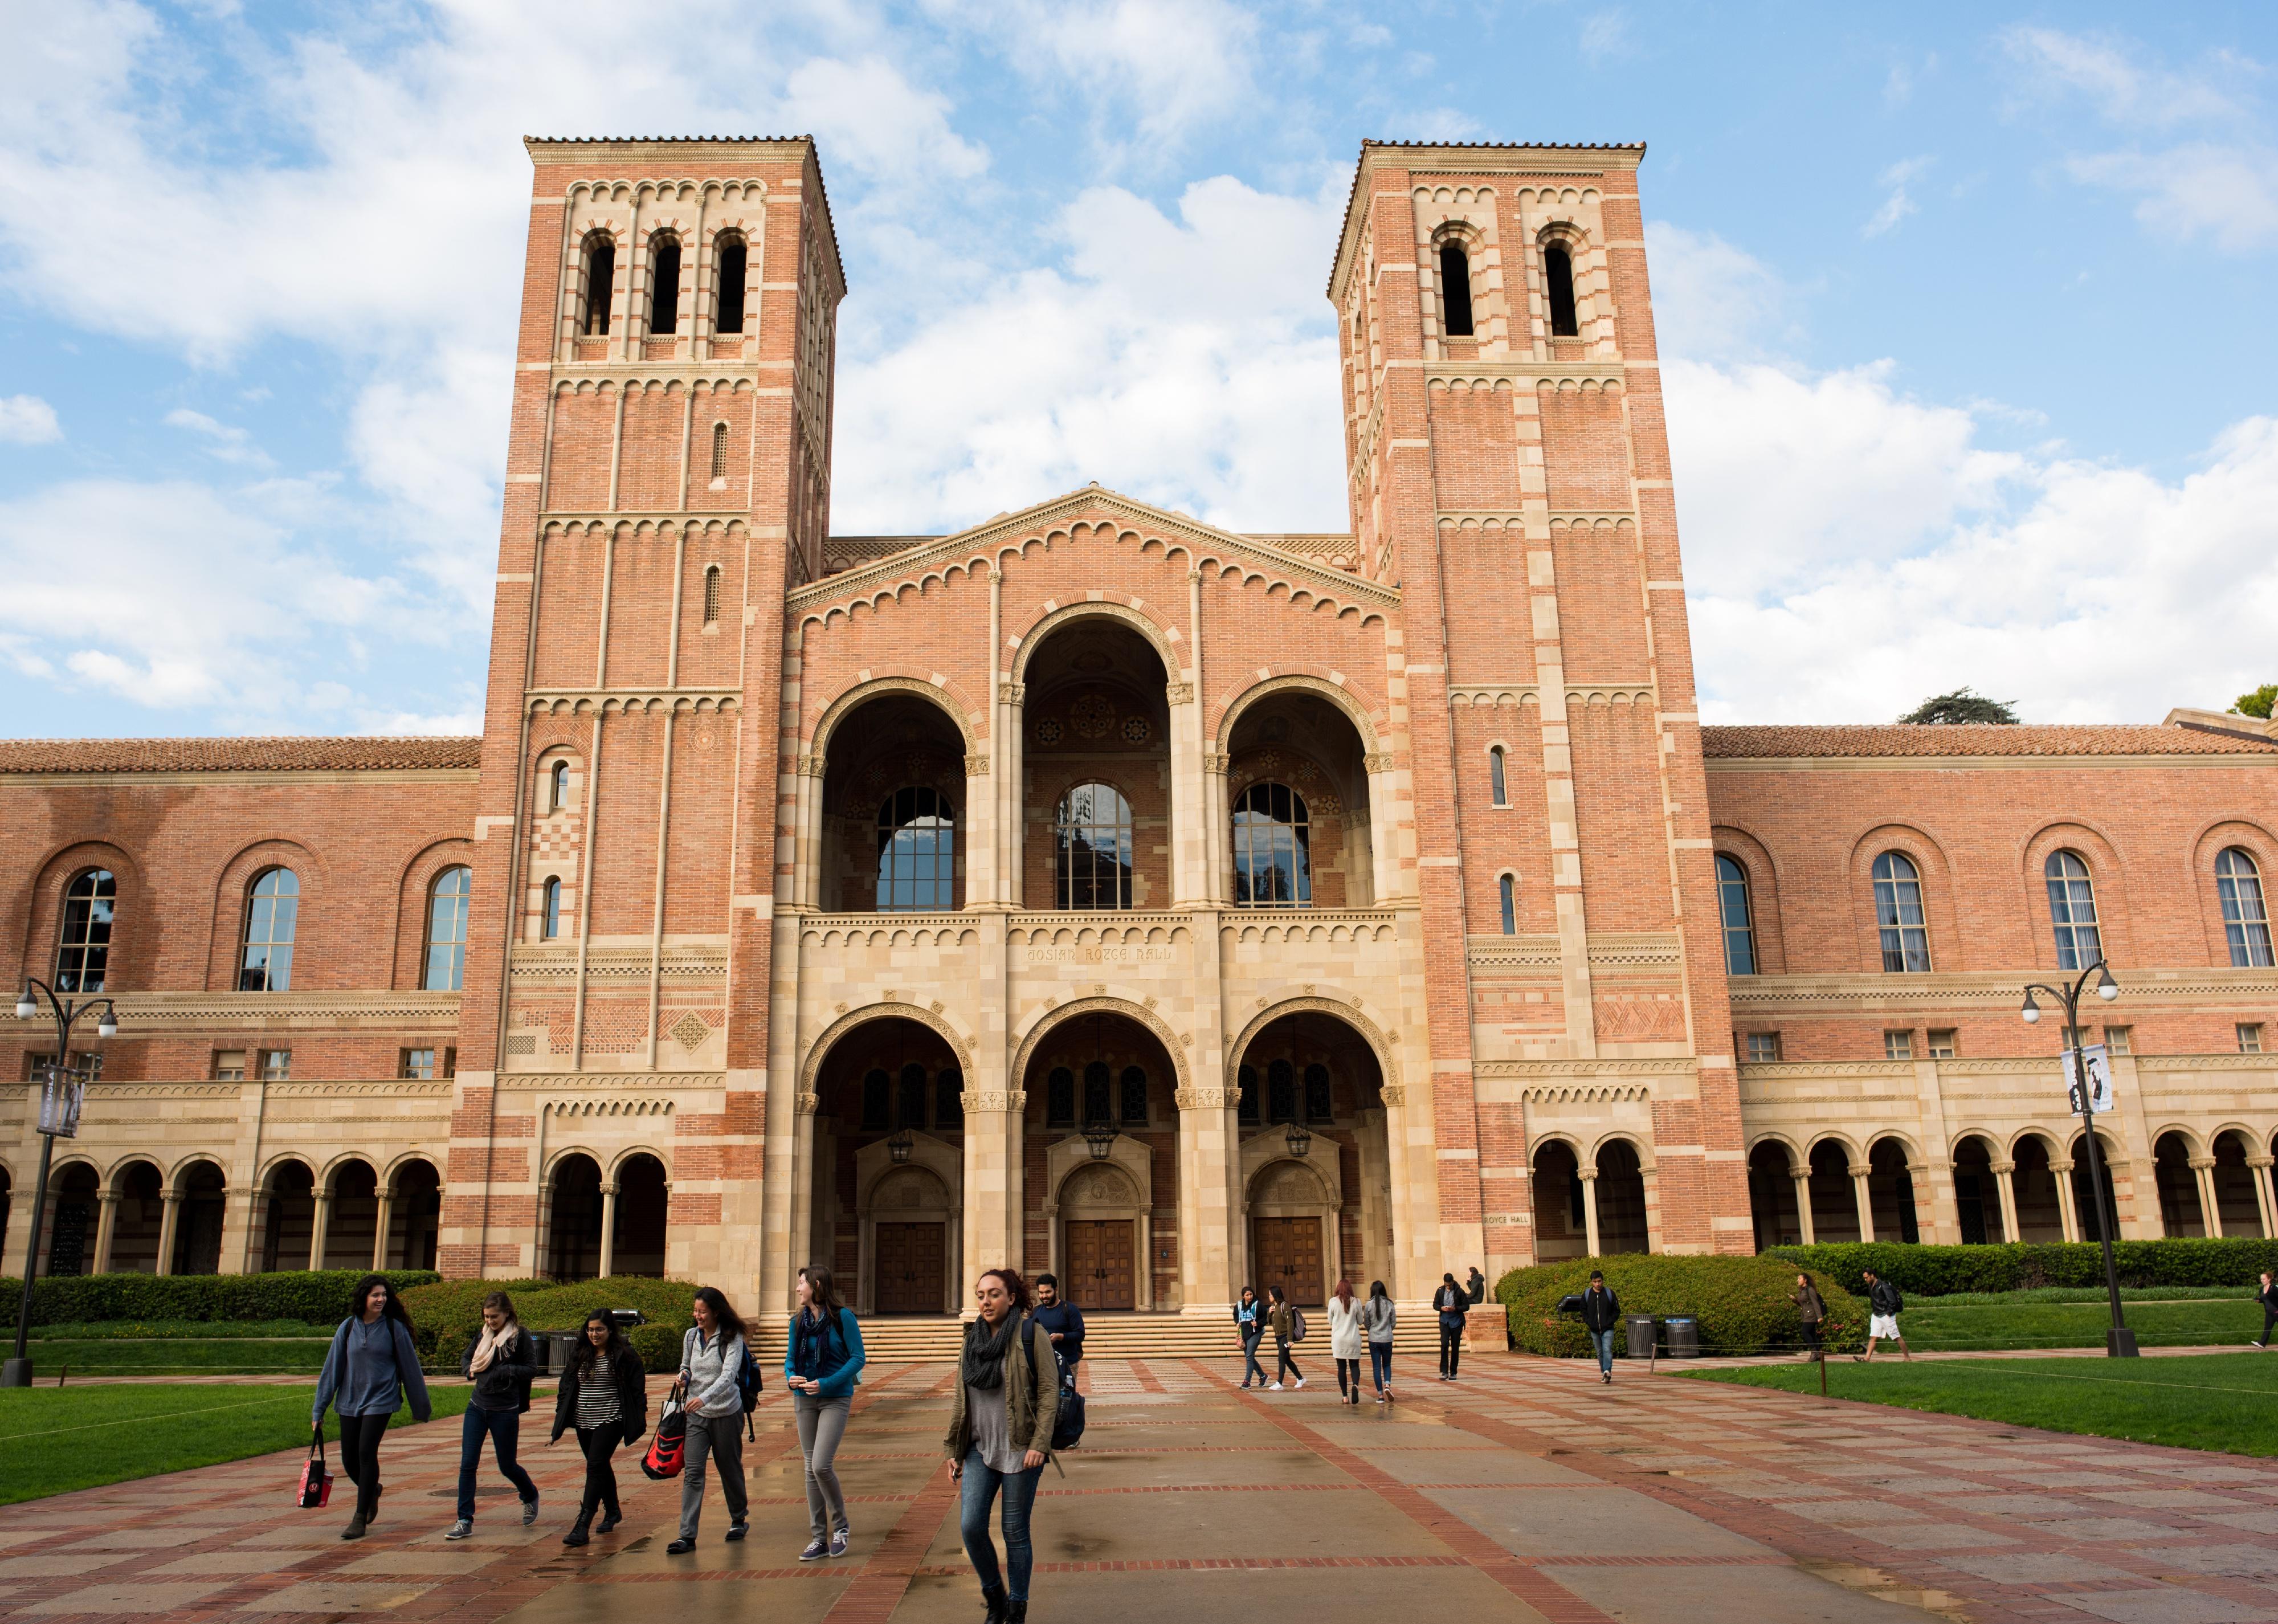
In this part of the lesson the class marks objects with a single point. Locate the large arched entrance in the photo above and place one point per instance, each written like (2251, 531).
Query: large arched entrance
(1890, 1192)
(886, 1192)
(1096, 823)
(352, 1224)
(72, 1220)
(2040, 1208)
(1834, 1199)
(637, 1213)
(2237, 1211)
(2181, 1212)
(1976, 1193)
(1622, 1222)
(1316, 1161)
(289, 1215)
(1298, 805)
(138, 1220)
(1100, 1162)
(1771, 1197)
(201, 1199)
(894, 825)
(1562, 1227)
(415, 1215)
(573, 1249)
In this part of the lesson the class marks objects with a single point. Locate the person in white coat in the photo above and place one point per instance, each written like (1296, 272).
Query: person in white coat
(1348, 1343)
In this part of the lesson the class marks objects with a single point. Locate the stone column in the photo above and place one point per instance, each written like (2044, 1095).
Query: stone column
(608, 1228)
(1861, 1194)
(383, 1219)
(169, 1223)
(319, 1229)
(1803, 1207)
(802, 1190)
(2067, 1214)
(2005, 1180)
(2259, 1169)
(2210, 1214)
(106, 1227)
(1207, 1174)
(1589, 1177)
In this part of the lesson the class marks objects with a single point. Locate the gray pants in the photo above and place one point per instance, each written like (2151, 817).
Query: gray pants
(821, 1423)
(722, 1437)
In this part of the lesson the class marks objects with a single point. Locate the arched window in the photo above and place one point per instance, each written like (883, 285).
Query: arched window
(272, 910)
(711, 594)
(558, 787)
(1739, 925)
(1131, 1095)
(601, 282)
(1498, 782)
(550, 924)
(2072, 909)
(1273, 837)
(1455, 288)
(877, 1101)
(917, 851)
(949, 1100)
(719, 450)
(1098, 1101)
(1059, 1098)
(729, 286)
(664, 284)
(1898, 913)
(910, 1098)
(1251, 1109)
(2245, 917)
(1507, 893)
(1321, 1100)
(1092, 849)
(83, 955)
(1558, 275)
(1280, 1091)
(447, 930)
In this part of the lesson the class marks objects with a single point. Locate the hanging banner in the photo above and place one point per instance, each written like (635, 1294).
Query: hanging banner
(60, 1098)
(2095, 1060)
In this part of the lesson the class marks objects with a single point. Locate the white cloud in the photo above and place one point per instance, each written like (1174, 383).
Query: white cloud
(27, 420)
(1605, 35)
(2230, 193)
(871, 119)
(1713, 301)
(228, 443)
(1899, 204)
(2117, 76)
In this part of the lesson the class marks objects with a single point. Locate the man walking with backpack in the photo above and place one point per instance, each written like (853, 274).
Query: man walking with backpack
(1883, 1303)
(1602, 1311)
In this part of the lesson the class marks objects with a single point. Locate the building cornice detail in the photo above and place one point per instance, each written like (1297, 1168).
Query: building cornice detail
(1999, 988)
(139, 1012)
(620, 701)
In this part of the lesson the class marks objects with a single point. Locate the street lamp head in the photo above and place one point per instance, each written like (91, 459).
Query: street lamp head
(2030, 1014)
(1299, 1140)
(901, 1145)
(2106, 988)
(27, 1006)
(107, 1026)
(1099, 1138)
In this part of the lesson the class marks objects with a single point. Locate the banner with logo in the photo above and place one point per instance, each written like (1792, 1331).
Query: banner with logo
(2096, 1060)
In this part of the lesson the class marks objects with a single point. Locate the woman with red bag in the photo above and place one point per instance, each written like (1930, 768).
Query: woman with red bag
(368, 1370)
(604, 1397)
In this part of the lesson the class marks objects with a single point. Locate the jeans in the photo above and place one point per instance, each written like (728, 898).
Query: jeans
(1283, 1363)
(1379, 1364)
(598, 1444)
(722, 1437)
(1451, 1349)
(1811, 1338)
(1250, 1337)
(982, 1482)
(360, 1437)
(1604, 1341)
(1349, 1367)
(503, 1427)
(821, 1423)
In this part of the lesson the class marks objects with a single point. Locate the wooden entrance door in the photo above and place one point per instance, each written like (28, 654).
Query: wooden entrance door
(909, 1261)
(1289, 1256)
(1099, 1264)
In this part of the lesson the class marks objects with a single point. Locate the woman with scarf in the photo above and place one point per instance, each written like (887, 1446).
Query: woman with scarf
(500, 1362)
(821, 1363)
(1000, 1435)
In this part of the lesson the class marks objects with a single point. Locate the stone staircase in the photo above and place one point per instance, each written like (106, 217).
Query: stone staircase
(936, 1338)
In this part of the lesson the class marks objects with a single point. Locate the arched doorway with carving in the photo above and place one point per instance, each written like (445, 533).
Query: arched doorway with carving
(1312, 1095)
(885, 1185)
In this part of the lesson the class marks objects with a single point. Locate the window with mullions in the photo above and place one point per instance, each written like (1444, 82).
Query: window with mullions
(2072, 910)
(1320, 1099)
(1131, 1095)
(1098, 1097)
(917, 851)
(2245, 917)
(1092, 849)
(1899, 914)
(83, 955)
(447, 930)
(877, 1101)
(949, 1100)
(1059, 1098)
(1252, 1109)
(1740, 926)
(1280, 1091)
(1273, 838)
(272, 914)
(910, 1098)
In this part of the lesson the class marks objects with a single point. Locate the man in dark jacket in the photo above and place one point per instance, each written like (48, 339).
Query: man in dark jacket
(1062, 1320)
(1883, 1304)
(1602, 1311)
(2268, 1298)
(1452, 1303)
(1477, 1286)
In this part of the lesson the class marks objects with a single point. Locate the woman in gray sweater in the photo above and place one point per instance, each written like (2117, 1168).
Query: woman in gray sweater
(371, 1367)
(711, 1358)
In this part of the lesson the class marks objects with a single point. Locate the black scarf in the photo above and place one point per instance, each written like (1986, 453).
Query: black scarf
(983, 1360)
(807, 1332)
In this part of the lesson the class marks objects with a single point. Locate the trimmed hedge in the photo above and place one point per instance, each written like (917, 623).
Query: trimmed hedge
(317, 1297)
(1939, 1271)
(1743, 1304)
(448, 1314)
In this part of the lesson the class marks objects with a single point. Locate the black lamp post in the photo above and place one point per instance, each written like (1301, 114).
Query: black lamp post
(2118, 1342)
(59, 1100)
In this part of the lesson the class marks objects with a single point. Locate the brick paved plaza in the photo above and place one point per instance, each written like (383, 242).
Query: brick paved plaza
(1526, 1492)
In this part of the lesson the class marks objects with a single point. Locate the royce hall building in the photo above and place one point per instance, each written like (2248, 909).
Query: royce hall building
(1102, 890)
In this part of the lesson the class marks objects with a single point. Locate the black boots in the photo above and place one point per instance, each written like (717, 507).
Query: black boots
(609, 1520)
(1017, 1612)
(993, 1596)
(577, 1530)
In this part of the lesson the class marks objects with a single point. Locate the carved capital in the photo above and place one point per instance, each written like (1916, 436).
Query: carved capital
(1860, 1170)
(805, 1105)
(1378, 761)
(1205, 1098)
(809, 766)
(2260, 1161)
(1395, 1093)
(1179, 692)
(993, 1100)
(2002, 1167)
(1011, 693)
(976, 766)
(1588, 1176)
(2197, 1162)
(1215, 761)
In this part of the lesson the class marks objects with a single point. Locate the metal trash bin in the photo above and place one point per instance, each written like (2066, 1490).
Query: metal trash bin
(556, 1350)
(1640, 1335)
(1681, 1334)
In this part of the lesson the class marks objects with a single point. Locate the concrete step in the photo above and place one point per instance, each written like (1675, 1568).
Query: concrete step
(1111, 1335)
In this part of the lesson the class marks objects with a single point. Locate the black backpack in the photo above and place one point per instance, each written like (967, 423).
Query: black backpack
(1067, 1426)
(747, 1389)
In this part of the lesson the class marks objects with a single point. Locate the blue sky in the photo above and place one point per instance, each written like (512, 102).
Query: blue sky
(1966, 314)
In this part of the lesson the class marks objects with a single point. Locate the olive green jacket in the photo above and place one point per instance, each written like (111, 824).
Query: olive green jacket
(1029, 1413)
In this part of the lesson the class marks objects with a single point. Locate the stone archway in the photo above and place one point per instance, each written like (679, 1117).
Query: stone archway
(1103, 1228)
(1293, 1206)
(911, 1230)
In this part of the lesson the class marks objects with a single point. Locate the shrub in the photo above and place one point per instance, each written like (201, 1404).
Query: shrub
(317, 1297)
(1743, 1304)
(449, 1313)
(1940, 1271)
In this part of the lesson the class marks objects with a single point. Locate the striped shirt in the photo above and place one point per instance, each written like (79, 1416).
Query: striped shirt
(597, 1405)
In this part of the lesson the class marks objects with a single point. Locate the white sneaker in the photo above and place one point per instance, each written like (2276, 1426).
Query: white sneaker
(1301, 1381)
(1273, 1387)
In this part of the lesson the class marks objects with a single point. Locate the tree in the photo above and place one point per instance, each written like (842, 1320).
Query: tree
(1963, 705)
(2258, 703)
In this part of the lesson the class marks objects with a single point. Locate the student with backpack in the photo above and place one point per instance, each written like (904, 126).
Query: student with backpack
(823, 1361)
(1376, 1319)
(604, 1397)
(1002, 1420)
(713, 1357)
(1289, 1327)
(370, 1369)
(1249, 1326)
(500, 1360)
(1884, 1305)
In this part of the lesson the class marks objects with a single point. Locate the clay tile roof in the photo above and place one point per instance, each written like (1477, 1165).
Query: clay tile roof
(1787, 743)
(124, 756)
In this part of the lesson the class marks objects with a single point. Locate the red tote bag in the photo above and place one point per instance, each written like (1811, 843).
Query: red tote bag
(316, 1483)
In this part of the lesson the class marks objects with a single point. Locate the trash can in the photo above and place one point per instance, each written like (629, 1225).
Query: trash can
(556, 1350)
(1640, 1335)
(1682, 1336)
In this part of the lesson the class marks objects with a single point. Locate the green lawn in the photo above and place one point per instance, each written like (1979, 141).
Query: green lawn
(176, 1330)
(56, 1439)
(1943, 1324)
(2210, 1401)
(216, 1356)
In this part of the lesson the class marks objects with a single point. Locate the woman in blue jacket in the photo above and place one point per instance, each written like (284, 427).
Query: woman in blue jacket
(371, 1367)
(820, 1367)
